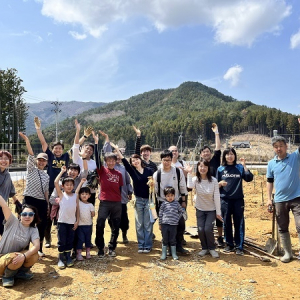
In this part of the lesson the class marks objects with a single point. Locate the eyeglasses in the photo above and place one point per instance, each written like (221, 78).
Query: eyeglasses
(29, 214)
(4, 158)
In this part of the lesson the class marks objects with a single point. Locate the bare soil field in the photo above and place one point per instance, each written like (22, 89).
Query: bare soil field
(144, 276)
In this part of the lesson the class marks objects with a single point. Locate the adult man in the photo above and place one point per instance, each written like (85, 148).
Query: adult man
(144, 151)
(175, 159)
(283, 170)
(169, 177)
(214, 162)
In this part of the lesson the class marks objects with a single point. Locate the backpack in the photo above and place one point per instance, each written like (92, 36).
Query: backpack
(158, 180)
(92, 179)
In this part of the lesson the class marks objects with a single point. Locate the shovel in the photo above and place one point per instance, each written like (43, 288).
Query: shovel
(271, 242)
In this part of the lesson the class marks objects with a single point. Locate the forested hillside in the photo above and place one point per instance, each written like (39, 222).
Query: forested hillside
(191, 109)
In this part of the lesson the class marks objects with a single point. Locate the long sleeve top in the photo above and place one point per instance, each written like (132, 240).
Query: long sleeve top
(233, 175)
(170, 213)
(7, 188)
(207, 194)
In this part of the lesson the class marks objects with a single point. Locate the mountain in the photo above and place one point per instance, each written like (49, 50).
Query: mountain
(44, 110)
(190, 109)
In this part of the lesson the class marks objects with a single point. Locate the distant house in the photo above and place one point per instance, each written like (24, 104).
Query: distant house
(245, 144)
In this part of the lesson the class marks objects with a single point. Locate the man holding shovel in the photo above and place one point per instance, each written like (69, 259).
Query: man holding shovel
(283, 171)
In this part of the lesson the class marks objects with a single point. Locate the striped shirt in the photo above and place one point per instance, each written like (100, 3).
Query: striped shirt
(37, 181)
(170, 213)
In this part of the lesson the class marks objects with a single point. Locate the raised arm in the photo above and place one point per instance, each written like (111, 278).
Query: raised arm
(117, 149)
(82, 181)
(56, 182)
(96, 151)
(5, 209)
(106, 146)
(28, 146)
(217, 136)
(86, 133)
(138, 141)
(77, 126)
(37, 124)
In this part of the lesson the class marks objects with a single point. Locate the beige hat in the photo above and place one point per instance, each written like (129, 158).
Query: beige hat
(43, 156)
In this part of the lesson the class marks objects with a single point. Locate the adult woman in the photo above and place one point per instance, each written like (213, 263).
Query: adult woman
(139, 174)
(230, 176)
(37, 186)
(207, 205)
(15, 262)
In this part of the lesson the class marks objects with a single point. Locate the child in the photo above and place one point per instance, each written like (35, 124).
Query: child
(7, 188)
(68, 218)
(170, 213)
(84, 230)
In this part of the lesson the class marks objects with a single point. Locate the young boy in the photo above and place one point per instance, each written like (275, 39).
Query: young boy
(68, 218)
(169, 215)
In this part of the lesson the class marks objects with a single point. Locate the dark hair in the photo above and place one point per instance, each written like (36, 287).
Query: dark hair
(67, 179)
(108, 155)
(36, 219)
(74, 167)
(205, 147)
(226, 151)
(138, 157)
(145, 147)
(166, 153)
(169, 190)
(89, 144)
(84, 189)
(6, 153)
(207, 164)
(58, 144)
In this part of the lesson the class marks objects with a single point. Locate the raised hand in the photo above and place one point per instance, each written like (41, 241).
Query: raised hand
(37, 123)
(188, 168)
(114, 146)
(104, 135)
(95, 137)
(63, 169)
(88, 131)
(23, 136)
(77, 125)
(137, 131)
(243, 161)
(214, 127)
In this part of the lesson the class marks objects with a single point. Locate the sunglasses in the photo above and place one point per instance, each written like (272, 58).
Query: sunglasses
(29, 214)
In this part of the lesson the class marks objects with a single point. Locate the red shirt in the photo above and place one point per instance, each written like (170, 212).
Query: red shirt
(110, 181)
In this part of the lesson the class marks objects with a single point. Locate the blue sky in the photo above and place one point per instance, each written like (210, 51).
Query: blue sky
(111, 49)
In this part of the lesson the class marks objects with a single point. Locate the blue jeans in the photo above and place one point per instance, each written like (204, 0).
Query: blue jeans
(84, 235)
(143, 225)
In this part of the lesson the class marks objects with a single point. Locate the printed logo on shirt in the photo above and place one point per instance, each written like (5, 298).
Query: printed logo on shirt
(231, 175)
(112, 177)
(58, 163)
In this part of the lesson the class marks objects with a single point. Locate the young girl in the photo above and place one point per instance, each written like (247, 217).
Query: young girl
(170, 213)
(230, 176)
(207, 205)
(84, 230)
(7, 188)
(68, 218)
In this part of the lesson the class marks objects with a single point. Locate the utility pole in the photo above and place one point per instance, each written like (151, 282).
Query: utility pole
(57, 111)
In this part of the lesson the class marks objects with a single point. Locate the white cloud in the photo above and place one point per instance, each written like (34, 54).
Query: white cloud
(37, 38)
(77, 35)
(233, 75)
(295, 40)
(236, 22)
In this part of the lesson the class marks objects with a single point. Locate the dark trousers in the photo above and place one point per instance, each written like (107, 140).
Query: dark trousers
(205, 225)
(282, 214)
(124, 224)
(1, 221)
(169, 234)
(114, 210)
(84, 235)
(65, 235)
(42, 208)
(47, 233)
(233, 208)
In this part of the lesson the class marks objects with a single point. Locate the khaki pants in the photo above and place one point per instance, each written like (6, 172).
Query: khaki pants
(6, 260)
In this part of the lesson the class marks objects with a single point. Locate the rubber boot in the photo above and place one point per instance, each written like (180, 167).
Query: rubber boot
(173, 251)
(60, 263)
(8, 277)
(69, 262)
(88, 253)
(287, 247)
(79, 255)
(23, 274)
(164, 253)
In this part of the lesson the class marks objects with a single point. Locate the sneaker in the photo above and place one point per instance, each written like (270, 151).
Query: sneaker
(220, 242)
(141, 250)
(47, 244)
(214, 253)
(147, 250)
(180, 249)
(239, 252)
(101, 254)
(228, 249)
(203, 252)
(112, 253)
(41, 254)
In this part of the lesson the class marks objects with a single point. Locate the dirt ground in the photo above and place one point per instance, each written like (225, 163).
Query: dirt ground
(144, 276)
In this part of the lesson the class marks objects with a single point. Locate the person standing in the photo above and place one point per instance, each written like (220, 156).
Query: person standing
(283, 174)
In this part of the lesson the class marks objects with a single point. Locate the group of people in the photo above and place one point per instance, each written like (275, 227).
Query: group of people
(66, 195)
